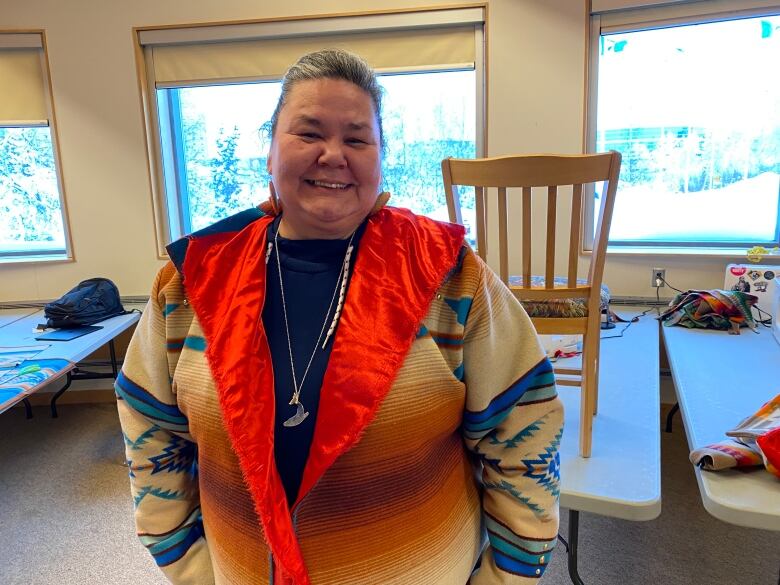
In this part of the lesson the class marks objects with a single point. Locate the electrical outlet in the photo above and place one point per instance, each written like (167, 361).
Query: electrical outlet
(658, 273)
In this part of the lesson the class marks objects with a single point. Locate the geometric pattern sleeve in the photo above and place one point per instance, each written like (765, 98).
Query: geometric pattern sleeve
(513, 422)
(161, 456)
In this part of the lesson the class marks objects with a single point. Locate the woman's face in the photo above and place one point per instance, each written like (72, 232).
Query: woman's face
(325, 159)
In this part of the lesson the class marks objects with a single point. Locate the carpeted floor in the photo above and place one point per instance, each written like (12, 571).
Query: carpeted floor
(66, 517)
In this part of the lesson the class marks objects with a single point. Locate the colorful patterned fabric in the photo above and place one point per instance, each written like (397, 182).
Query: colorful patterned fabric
(472, 396)
(754, 441)
(557, 307)
(711, 309)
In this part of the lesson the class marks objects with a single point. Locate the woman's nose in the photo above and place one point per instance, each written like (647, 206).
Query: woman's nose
(332, 154)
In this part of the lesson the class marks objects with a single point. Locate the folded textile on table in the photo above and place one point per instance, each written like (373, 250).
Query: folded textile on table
(711, 309)
(754, 441)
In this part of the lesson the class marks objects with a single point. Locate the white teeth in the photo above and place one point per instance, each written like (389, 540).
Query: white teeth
(329, 185)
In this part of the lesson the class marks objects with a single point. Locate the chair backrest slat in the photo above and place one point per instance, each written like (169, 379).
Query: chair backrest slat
(503, 245)
(481, 222)
(527, 237)
(549, 271)
(575, 233)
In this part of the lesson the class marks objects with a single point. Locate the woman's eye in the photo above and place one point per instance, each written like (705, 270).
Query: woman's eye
(355, 141)
(309, 135)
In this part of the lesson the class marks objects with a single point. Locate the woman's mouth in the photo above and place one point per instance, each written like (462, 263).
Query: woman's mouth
(327, 184)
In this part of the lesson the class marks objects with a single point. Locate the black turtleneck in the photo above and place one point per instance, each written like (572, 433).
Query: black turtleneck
(310, 270)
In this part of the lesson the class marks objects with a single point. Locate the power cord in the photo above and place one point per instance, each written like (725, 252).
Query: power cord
(663, 280)
(630, 322)
(765, 321)
(657, 308)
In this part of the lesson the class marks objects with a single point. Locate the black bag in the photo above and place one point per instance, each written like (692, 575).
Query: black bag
(89, 302)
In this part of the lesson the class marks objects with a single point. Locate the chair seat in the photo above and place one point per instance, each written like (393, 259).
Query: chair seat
(560, 308)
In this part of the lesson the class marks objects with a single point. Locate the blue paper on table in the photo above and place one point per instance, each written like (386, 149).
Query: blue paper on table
(27, 377)
(67, 334)
(12, 356)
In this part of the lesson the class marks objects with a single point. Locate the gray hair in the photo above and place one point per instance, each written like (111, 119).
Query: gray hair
(332, 64)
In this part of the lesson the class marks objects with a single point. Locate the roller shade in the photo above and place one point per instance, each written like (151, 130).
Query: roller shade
(682, 10)
(270, 58)
(21, 80)
(257, 51)
(597, 6)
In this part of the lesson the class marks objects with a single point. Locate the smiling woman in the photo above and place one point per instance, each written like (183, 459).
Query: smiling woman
(317, 409)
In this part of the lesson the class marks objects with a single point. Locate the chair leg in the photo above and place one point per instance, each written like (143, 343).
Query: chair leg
(589, 393)
(593, 343)
(595, 396)
(586, 419)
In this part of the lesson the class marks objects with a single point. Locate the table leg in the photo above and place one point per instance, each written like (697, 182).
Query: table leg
(113, 358)
(58, 394)
(670, 416)
(574, 529)
(27, 408)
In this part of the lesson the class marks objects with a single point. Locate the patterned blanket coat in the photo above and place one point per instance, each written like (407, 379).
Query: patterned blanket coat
(436, 438)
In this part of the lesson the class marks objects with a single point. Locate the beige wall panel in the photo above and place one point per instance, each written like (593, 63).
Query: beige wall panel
(536, 92)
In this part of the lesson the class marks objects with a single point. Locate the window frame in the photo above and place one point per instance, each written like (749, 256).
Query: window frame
(169, 215)
(27, 39)
(651, 18)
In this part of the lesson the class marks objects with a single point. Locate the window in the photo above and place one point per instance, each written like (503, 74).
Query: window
(212, 119)
(32, 223)
(218, 142)
(693, 105)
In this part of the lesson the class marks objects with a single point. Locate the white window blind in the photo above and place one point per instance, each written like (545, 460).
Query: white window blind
(22, 97)
(682, 11)
(258, 51)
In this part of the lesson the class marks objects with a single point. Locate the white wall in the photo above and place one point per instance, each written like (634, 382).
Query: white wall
(536, 94)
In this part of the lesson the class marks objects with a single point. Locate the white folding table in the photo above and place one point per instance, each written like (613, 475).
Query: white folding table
(721, 379)
(17, 329)
(622, 478)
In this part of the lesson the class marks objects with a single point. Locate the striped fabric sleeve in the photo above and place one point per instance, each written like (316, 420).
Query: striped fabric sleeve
(161, 456)
(513, 422)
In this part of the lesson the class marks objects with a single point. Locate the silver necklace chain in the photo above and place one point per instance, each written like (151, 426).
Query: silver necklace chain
(341, 282)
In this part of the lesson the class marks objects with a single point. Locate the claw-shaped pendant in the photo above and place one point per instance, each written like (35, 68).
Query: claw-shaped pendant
(296, 419)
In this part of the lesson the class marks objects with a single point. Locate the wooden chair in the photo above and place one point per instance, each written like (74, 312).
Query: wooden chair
(552, 172)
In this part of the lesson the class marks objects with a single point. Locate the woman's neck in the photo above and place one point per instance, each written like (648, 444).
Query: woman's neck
(290, 232)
